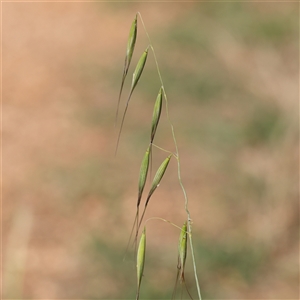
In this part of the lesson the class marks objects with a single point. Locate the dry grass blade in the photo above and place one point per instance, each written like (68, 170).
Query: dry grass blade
(129, 52)
(140, 262)
(155, 183)
(156, 113)
(135, 78)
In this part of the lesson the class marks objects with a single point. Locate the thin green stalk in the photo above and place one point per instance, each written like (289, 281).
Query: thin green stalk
(189, 225)
(164, 150)
(162, 219)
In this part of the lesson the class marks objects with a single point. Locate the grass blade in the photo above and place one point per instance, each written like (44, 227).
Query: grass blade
(135, 78)
(156, 114)
(140, 262)
(129, 52)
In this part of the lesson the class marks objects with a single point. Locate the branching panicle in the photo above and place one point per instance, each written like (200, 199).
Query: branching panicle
(186, 230)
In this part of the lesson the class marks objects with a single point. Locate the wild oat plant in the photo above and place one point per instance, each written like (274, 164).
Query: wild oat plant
(186, 230)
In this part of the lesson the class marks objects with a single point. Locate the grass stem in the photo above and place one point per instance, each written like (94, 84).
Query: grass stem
(189, 224)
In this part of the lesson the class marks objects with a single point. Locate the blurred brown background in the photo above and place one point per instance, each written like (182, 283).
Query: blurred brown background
(231, 72)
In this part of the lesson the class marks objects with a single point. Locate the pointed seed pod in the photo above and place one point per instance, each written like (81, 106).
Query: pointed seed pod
(129, 51)
(135, 78)
(142, 182)
(139, 69)
(182, 252)
(156, 113)
(131, 43)
(143, 174)
(182, 249)
(141, 261)
(158, 176)
(156, 181)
